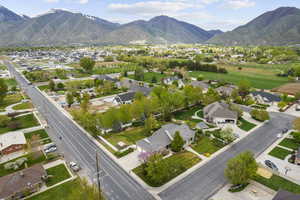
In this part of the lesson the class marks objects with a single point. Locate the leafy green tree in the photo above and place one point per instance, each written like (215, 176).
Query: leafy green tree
(244, 87)
(241, 169)
(154, 79)
(139, 74)
(83, 190)
(200, 77)
(177, 142)
(150, 124)
(296, 124)
(227, 135)
(211, 96)
(3, 90)
(85, 102)
(156, 169)
(237, 109)
(51, 85)
(60, 86)
(192, 95)
(70, 98)
(4, 120)
(87, 64)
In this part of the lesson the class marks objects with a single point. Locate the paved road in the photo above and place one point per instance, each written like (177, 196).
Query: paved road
(116, 183)
(207, 180)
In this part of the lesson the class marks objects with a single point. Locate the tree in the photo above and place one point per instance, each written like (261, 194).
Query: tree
(227, 135)
(154, 79)
(177, 142)
(85, 101)
(3, 90)
(260, 115)
(156, 169)
(51, 85)
(70, 99)
(296, 124)
(200, 77)
(244, 87)
(87, 64)
(4, 120)
(150, 124)
(60, 86)
(139, 74)
(237, 109)
(241, 169)
(83, 190)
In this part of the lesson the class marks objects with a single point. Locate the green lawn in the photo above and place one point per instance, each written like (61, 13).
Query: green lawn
(276, 183)
(257, 80)
(59, 192)
(10, 99)
(10, 82)
(290, 143)
(206, 146)
(129, 137)
(280, 153)
(23, 106)
(149, 75)
(58, 173)
(32, 159)
(43, 87)
(175, 164)
(41, 133)
(186, 114)
(245, 125)
(25, 121)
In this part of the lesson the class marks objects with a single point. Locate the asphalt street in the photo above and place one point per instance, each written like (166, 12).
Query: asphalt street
(207, 180)
(115, 182)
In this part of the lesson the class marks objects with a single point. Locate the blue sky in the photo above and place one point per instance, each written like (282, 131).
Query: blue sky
(208, 14)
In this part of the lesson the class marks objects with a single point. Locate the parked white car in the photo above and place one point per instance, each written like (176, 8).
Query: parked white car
(74, 166)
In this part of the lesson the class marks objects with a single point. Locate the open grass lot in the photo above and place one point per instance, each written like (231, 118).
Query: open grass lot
(59, 192)
(41, 133)
(290, 143)
(148, 76)
(10, 82)
(58, 173)
(276, 183)
(245, 125)
(280, 153)
(129, 136)
(176, 164)
(206, 146)
(23, 106)
(25, 121)
(11, 99)
(259, 78)
(31, 160)
(186, 114)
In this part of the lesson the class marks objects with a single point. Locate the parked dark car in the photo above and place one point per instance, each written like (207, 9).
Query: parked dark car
(271, 165)
(285, 130)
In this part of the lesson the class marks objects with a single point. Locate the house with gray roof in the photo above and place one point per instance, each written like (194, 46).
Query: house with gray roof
(201, 84)
(226, 90)
(162, 138)
(220, 113)
(265, 97)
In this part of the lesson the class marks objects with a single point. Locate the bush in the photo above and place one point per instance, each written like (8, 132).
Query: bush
(4, 120)
(124, 153)
(260, 115)
(14, 125)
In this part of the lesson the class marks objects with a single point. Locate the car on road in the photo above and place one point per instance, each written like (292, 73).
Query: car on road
(74, 166)
(50, 150)
(297, 107)
(271, 165)
(285, 130)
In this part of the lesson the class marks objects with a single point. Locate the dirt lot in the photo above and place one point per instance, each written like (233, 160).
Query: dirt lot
(290, 88)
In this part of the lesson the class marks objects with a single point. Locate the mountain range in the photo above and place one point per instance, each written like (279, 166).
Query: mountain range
(62, 27)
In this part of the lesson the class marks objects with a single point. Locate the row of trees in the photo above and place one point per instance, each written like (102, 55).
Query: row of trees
(3, 90)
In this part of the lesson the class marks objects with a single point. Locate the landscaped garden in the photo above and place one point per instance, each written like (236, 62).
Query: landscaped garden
(280, 153)
(206, 146)
(16, 123)
(173, 166)
(245, 125)
(278, 183)
(57, 174)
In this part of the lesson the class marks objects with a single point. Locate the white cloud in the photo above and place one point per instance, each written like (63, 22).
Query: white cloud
(52, 1)
(209, 1)
(238, 4)
(83, 1)
(151, 7)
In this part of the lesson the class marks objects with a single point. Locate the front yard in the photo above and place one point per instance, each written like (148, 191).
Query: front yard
(186, 114)
(207, 146)
(25, 121)
(290, 143)
(280, 153)
(245, 125)
(58, 173)
(175, 164)
(11, 99)
(23, 106)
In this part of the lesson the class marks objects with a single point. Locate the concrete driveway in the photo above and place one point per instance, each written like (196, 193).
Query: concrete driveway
(130, 161)
(292, 111)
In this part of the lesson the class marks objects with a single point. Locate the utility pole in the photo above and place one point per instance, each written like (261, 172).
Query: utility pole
(98, 176)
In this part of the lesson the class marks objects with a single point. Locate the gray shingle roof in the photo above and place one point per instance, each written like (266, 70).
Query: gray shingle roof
(285, 195)
(219, 109)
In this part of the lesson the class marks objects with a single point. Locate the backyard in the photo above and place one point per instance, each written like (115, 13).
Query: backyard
(148, 76)
(206, 146)
(175, 164)
(187, 113)
(25, 121)
(11, 99)
(280, 153)
(57, 174)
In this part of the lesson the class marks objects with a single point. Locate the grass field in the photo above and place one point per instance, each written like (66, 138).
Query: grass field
(245, 125)
(129, 137)
(148, 76)
(41, 133)
(59, 192)
(280, 153)
(258, 77)
(58, 173)
(176, 164)
(10, 82)
(206, 146)
(23, 106)
(11, 99)
(276, 183)
(186, 114)
(25, 121)
(290, 143)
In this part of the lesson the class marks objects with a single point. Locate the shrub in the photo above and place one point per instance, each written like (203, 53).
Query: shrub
(4, 120)
(260, 115)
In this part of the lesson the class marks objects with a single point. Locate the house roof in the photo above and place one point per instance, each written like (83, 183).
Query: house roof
(270, 97)
(219, 109)
(128, 96)
(137, 88)
(20, 180)
(227, 90)
(285, 195)
(200, 84)
(11, 138)
(163, 137)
